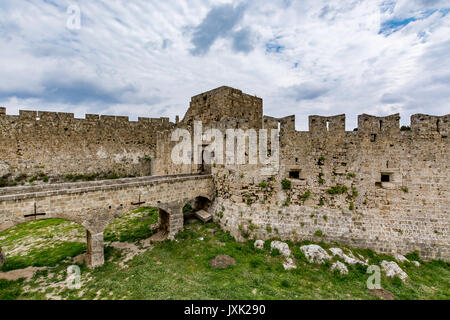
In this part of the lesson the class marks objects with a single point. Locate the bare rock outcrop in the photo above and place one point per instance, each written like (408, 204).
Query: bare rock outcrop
(349, 259)
(282, 247)
(339, 266)
(392, 269)
(289, 264)
(315, 253)
(400, 258)
(259, 244)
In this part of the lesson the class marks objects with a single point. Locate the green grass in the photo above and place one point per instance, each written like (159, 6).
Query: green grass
(181, 269)
(132, 228)
(45, 257)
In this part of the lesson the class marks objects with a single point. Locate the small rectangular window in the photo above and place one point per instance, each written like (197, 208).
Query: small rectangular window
(385, 178)
(294, 174)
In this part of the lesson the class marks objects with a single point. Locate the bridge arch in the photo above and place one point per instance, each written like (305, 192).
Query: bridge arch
(19, 222)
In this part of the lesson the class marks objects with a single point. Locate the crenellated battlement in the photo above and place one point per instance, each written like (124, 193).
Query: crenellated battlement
(367, 124)
(55, 144)
(332, 123)
(427, 123)
(55, 117)
(378, 124)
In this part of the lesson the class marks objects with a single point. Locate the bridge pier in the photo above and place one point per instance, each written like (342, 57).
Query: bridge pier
(171, 219)
(95, 256)
(176, 221)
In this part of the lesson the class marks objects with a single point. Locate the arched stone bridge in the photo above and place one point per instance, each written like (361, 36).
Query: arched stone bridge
(95, 204)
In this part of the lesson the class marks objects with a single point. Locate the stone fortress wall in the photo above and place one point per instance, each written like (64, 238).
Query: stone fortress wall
(377, 187)
(57, 144)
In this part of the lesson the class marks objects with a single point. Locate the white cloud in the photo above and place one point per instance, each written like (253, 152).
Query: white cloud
(303, 57)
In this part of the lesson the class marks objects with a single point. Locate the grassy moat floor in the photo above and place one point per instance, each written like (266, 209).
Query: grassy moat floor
(137, 269)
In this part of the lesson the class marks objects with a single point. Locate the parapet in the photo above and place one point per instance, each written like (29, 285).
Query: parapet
(270, 122)
(373, 124)
(323, 124)
(53, 118)
(427, 123)
(285, 123)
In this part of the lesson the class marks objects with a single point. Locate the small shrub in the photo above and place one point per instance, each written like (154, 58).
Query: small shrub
(33, 179)
(112, 176)
(187, 208)
(321, 161)
(405, 128)
(21, 177)
(413, 256)
(405, 189)
(263, 185)
(338, 189)
(351, 207)
(321, 180)
(318, 233)
(286, 184)
(306, 195)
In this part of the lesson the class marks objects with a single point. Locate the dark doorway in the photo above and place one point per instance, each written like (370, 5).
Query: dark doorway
(191, 208)
(162, 227)
(206, 162)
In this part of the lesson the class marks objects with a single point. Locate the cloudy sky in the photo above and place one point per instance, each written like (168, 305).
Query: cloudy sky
(147, 58)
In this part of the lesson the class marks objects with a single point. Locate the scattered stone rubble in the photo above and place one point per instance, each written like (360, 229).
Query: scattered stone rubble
(283, 248)
(315, 253)
(349, 259)
(289, 264)
(392, 269)
(340, 267)
(400, 258)
(259, 244)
